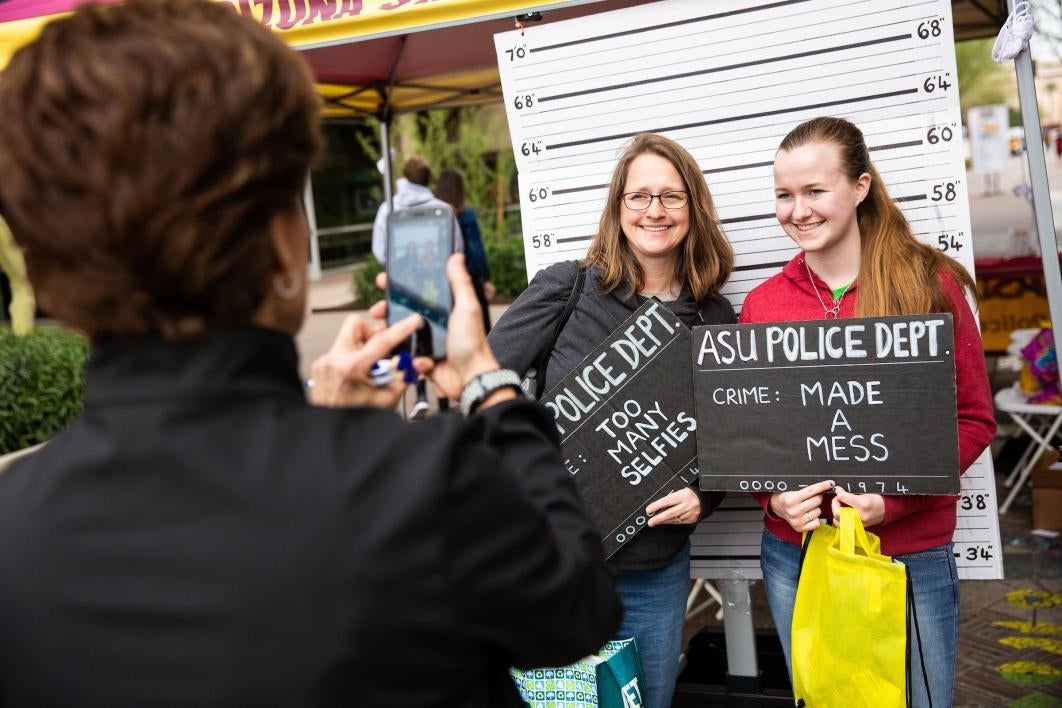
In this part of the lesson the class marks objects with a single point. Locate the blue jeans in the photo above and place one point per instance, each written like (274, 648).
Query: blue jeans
(654, 611)
(935, 583)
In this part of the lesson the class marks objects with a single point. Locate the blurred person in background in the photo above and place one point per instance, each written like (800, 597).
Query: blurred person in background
(412, 191)
(451, 189)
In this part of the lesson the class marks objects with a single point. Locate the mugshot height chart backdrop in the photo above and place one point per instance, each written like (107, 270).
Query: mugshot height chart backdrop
(727, 80)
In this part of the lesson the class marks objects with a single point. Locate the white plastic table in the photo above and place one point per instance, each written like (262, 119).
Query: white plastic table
(1040, 421)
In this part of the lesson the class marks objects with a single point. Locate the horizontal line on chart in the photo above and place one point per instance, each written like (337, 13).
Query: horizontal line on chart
(746, 239)
(579, 189)
(749, 166)
(741, 80)
(727, 67)
(738, 219)
(893, 146)
(716, 121)
(549, 161)
(678, 23)
(777, 264)
(757, 217)
(573, 239)
(743, 132)
(734, 168)
(573, 109)
(752, 165)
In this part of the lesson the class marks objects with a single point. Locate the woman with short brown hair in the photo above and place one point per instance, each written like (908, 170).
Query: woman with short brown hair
(201, 535)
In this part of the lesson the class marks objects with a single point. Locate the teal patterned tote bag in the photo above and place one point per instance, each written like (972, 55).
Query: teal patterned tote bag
(612, 678)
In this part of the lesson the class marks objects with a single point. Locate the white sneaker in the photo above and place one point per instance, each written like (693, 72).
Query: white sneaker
(419, 411)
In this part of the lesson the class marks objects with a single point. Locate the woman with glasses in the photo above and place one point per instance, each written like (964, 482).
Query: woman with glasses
(658, 237)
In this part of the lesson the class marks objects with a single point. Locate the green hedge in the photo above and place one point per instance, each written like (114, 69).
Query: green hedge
(507, 269)
(41, 384)
(364, 286)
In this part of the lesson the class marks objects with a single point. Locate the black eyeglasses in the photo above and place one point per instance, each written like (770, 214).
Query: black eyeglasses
(640, 201)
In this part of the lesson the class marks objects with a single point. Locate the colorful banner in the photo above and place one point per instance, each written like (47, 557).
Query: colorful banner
(300, 23)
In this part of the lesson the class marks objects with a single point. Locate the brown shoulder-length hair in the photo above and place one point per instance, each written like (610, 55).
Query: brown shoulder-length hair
(450, 187)
(706, 258)
(898, 274)
(145, 150)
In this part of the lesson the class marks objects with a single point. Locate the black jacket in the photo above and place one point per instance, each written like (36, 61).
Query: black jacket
(202, 536)
(524, 332)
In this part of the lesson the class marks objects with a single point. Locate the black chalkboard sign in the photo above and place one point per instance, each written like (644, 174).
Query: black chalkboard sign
(868, 403)
(626, 421)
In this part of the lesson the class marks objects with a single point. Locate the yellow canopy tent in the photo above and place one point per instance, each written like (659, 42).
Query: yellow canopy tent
(385, 57)
(382, 57)
(370, 56)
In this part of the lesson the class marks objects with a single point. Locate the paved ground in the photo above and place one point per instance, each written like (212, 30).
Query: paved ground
(1010, 642)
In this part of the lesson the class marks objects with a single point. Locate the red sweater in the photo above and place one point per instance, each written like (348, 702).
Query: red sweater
(912, 523)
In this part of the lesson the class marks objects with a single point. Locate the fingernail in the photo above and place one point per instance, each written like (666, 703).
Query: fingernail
(381, 373)
(832, 484)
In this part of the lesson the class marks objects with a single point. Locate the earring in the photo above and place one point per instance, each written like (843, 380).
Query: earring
(288, 284)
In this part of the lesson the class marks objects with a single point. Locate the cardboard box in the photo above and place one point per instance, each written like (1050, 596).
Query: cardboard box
(1047, 492)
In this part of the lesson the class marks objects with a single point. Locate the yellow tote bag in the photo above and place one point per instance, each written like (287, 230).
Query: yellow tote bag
(850, 621)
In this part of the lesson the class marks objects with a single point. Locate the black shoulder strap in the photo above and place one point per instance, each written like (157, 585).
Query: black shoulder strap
(569, 307)
(708, 310)
(912, 613)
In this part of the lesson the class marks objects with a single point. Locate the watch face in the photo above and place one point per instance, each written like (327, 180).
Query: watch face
(483, 385)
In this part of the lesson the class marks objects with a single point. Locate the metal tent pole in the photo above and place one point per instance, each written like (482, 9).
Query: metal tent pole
(311, 221)
(1045, 222)
(385, 145)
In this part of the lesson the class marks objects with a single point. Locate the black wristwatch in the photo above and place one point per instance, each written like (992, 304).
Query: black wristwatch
(478, 389)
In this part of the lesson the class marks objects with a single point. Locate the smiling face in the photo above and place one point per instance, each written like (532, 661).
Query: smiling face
(815, 201)
(656, 232)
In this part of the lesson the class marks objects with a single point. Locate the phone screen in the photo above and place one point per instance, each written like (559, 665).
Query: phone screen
(419, 241)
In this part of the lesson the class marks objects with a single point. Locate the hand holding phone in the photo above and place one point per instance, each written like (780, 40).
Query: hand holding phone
(419, 242)
(468, 353)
